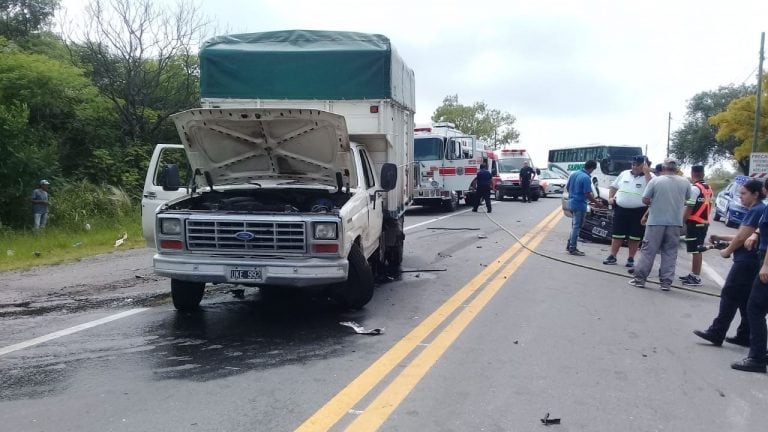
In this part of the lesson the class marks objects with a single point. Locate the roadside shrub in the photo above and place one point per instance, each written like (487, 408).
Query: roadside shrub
(76, 204)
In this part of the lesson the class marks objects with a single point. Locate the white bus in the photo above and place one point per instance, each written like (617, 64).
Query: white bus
(611, 161)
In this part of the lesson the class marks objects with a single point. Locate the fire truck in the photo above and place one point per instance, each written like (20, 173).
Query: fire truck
(446, 161)
(510, 161)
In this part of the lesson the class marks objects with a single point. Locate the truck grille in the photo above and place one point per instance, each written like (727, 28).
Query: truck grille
(220, 235)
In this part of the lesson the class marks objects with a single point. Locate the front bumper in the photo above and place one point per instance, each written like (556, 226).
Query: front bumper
(296, 272)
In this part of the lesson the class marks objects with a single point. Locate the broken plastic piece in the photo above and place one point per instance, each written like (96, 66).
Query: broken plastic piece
(361, 330)
(546, 421)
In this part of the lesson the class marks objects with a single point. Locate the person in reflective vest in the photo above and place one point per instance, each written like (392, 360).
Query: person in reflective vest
(699, 206)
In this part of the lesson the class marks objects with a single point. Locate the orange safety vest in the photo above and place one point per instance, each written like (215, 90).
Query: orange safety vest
(700, 211)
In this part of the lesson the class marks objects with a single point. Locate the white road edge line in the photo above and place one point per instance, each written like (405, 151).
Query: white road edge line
(435, 219)
(69, 331)
(712, 274)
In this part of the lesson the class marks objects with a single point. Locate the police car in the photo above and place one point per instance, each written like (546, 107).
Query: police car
(728, 207)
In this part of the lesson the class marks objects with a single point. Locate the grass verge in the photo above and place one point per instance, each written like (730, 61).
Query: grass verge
(54, 245)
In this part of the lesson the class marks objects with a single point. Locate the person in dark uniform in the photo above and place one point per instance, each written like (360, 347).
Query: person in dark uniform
(482, 186)
(757, 309)
(746, 264)
(526, 175)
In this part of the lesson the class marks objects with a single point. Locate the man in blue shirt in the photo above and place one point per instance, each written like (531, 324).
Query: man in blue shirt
(579, 189)
(746, 264)
(482, 184)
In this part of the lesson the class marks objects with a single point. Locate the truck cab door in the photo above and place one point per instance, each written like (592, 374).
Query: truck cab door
(375, 205)
(153, 194)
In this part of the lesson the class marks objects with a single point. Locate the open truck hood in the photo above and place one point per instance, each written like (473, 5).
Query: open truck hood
(251, 144)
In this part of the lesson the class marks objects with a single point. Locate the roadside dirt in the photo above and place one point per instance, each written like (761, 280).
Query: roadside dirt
(124, 277)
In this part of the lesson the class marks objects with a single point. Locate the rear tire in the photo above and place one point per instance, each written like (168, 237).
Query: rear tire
(357, 290)
(186, 295)
(452, 204)
(728, 221)
(716, 217)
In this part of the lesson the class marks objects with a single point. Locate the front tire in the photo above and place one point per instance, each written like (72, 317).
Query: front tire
(728, 221)
(357, 291)
(716, 217)
(186, 295)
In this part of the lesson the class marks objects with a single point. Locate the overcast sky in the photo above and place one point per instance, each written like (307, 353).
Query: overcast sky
(572, 72)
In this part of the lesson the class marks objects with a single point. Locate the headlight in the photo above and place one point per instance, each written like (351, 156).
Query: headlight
(435, 184)
(325, 231)
(170, 226)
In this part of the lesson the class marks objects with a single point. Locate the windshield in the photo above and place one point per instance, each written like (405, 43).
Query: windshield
(512, 165)
(427, 149)
(614, 167)
(547, 174)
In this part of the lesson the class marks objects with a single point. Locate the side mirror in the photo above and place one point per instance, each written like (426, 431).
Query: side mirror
(388, 176)
(538, 171)
(494, 173)
(169, 177)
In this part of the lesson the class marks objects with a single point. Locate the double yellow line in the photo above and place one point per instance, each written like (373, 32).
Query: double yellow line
(485, 285)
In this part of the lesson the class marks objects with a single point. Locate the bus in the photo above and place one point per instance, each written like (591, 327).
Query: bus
(611, 161)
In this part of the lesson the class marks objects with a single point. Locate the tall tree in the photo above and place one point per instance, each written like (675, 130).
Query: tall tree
(695, 141)
(19, 18)
(737, 123)
(489, 125)
(140, 55)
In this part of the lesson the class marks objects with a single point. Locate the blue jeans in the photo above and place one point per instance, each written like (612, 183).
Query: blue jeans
(576, 222)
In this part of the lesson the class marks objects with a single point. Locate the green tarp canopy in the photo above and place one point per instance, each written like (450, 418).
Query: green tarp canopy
(304, 64)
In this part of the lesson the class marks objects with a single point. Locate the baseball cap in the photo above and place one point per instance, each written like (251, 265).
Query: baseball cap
(698, 169)
(638, 160)
(44, 182)
(670, 163)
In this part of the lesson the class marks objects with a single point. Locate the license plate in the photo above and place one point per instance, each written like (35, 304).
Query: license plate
(252, 274)
(599, 231)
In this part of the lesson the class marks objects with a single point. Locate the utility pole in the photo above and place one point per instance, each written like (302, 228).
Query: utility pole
(756, 134)
(669, 126)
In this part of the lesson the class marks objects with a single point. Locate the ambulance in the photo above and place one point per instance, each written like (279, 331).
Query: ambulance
(446, 161)
(510, 161)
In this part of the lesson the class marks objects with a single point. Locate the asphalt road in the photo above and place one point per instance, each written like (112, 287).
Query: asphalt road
(480, 334)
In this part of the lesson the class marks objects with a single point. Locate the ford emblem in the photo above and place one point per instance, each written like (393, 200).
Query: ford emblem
(244, 236)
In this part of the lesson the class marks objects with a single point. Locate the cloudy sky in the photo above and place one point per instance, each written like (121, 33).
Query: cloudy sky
(572, 72)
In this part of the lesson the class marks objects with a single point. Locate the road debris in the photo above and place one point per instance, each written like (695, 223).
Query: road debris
(10, 252)
(454, 229)
(78, 244)
(482, 236)
(361, 330)
(36, 253)
(121, 240)
(546, 421)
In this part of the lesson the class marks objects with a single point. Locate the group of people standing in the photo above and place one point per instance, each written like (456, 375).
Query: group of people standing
(650, 211)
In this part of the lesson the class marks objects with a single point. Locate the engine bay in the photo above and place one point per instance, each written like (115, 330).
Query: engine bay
(265, 201)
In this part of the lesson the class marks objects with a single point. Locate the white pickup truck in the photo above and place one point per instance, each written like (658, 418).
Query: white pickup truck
(284, 192)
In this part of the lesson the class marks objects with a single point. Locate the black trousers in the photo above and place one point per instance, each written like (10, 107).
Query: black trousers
(526, 190)
(757, 309)
(733, 297)
(483, 194)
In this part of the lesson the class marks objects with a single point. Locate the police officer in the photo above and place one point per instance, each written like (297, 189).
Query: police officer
(697, 211)
(626, 196)
(526, 175)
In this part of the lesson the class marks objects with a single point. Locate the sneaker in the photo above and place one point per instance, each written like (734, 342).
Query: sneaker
(682, 278)
(576, 252)
(611, 260)
(749, 364)
(630, 262)
(707, 336)
(692, 280)
(474, 210)
(637, 283)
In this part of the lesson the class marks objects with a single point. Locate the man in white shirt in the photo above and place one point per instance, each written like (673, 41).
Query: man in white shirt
(626, 196)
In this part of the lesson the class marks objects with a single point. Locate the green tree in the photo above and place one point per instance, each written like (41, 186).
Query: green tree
(737, 123)
(489, 125)
(20, 18)
(695, 141)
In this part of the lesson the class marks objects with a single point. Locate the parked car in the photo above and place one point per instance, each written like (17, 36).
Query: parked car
(728, 205)
(552, 182)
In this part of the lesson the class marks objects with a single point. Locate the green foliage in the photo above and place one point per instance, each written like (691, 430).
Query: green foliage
(19, 18)
(24, 249)
(75, 204)
(737, 123)
(489, 125)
